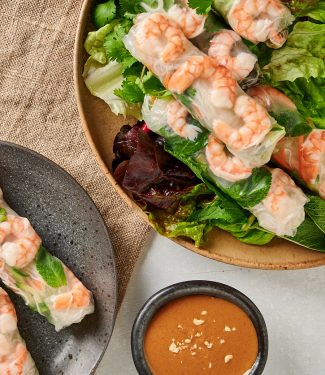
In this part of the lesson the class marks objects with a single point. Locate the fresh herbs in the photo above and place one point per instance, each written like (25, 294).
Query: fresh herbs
(3, 214)
(50, 268)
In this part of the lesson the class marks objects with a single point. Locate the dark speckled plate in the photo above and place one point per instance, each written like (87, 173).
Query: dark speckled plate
(73, 230)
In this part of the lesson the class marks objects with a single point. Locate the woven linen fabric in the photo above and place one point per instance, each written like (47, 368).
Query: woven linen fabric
(38, 110)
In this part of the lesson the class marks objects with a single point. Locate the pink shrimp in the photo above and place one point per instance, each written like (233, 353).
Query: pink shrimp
(177, 120)
(79, 296)
(224, 87)
(191, 23)
(19, 242)
(158, 35)
(256, 124)
(312, 160)
(225, 165)
(14, 357)
(260, 20)
(271, 98)
(227, 49)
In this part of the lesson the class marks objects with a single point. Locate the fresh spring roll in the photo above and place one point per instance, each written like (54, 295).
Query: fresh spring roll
(208, 91)
(257, 20)
(304, 154)
(224, 46)
(43, 281)
(270, 194)
(14, 356)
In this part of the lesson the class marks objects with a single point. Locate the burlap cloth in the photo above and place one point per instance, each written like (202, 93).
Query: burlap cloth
(38, 110)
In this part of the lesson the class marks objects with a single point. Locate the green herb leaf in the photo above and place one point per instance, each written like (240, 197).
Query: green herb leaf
(50, 268)
(114, 46)
(315, 208)
(153, 87)
(3, 215)
(201, 6)
(130, 92)
(309, 235)
(104, 13)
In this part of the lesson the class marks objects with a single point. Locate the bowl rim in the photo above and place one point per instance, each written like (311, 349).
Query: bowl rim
(189, 288)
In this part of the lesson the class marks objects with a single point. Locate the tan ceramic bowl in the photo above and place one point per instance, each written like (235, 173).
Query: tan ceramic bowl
(101, 126)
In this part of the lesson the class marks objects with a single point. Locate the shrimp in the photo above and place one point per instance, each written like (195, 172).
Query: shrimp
(176, 119)
(78, 296)
(225, 165)
(191, 23)
(227, 49)
(223, 93)
(312, 160)
(260, 20)
(19, 242)
(256, 124)
(14, 357)
(271, 98)
(282, 211)
(160, 36)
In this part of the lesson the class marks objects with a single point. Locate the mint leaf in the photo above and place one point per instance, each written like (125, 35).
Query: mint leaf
(50, 268)
(315, 208)
(130, 92)
(201, 6)
(3, 214)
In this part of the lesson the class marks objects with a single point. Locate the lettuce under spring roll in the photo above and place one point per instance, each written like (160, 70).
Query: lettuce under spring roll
(257, 20)
(224, 46)
(304, 154)
(208, 91)
(14, 356)
(43, 281)
(270, 194)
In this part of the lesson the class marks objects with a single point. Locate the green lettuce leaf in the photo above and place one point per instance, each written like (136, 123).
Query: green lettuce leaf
(50, 268)
(201, 6)
(318, 12)
(308, 96)
(103, 80)
(94, 44)
(303, 55)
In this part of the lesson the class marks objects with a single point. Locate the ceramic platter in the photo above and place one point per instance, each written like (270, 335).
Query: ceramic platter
(73, 230)
(101, 126)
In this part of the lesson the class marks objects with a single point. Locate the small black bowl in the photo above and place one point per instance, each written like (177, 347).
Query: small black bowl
(196, 287)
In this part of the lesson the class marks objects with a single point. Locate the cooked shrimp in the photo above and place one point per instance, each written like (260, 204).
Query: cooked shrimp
(176, 118)
(223, 164)
(282, 211)
(19, 242)
(223, 93)
(312, 160)
(14, 357)
(158, 35)
(227, 49)
(260, 20)
(271, 98)
(78, 296)
(256, 124)
(191, 23)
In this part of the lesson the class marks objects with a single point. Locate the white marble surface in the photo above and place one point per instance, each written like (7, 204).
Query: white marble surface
(292, 302)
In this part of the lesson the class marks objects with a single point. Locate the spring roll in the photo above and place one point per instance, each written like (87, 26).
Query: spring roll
(208, 91)
(14, 356)
(257, 20)
(303, 155)
(270, 194)
(43, 281)
(224, 46)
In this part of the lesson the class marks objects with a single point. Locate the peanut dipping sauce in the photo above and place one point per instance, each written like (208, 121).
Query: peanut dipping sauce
(200, 334)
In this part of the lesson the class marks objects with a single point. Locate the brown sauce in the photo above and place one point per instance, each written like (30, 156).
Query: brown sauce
(200, 334)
